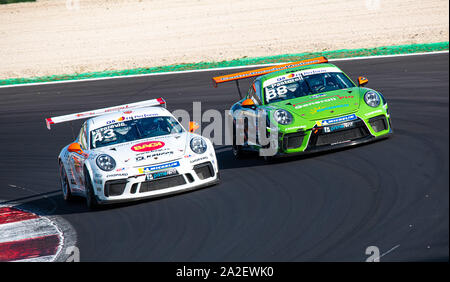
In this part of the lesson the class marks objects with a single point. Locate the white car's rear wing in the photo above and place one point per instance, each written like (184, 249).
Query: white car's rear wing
(98, 112)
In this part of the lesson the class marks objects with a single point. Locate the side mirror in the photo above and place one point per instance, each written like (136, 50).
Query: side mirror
(193, 126)
(75, 148)
(362, 81)
(248, 103)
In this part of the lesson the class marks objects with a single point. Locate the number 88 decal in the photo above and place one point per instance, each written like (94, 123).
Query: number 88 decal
(276, 93)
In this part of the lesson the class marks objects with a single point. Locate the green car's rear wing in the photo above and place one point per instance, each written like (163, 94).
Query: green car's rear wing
(252, 73)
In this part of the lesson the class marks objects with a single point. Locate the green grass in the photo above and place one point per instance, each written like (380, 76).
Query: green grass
(335, 54)
(14, 1)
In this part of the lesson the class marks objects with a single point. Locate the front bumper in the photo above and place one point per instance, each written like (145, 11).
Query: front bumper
(135, 187)
(317, 139)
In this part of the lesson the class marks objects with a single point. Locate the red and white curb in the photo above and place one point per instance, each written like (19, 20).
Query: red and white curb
(26, 236)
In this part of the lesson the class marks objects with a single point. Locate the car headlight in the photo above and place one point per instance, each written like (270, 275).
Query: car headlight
(106, 162)
(372, 99)
(198, 145)
(283, 117)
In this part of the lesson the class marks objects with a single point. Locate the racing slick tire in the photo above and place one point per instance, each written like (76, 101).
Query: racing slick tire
(269, 159)
(65, 187)
(236, 149)
(91, 199)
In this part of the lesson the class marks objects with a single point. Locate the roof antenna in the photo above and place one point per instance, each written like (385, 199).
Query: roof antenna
(238, 88)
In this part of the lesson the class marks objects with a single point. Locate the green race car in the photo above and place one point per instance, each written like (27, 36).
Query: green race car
(311, 105)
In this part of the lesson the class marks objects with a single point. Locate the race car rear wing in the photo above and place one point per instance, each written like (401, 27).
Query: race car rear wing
(258, 72)
(98, 112)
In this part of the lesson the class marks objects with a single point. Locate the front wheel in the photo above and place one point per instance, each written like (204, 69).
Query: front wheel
(237, 151)
(65, 187)
(91, 199)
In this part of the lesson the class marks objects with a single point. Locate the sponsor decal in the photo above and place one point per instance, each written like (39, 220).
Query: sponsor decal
(158, 167)
(85, 114)
(107, 128)
(336, 120)
(287, 81)
(199, 159)
(374, 112)
(153, 151)
(122, 118)
(318, 102)
(345, 97)
(296, 127)
(299, 74)
(318, 96)
(288, 76)
(117, 175)
(144, 116)
(140, 158)
(321, 109)
(314, 71)
(328, 129)
(148, 146)
(161, 174)
(273, 69)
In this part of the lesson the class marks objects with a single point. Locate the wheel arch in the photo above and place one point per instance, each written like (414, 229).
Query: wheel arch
(67, 172)
(87, 167)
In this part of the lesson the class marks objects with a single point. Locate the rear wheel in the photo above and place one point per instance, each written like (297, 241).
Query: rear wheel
(91, 199)
(65, 187)
(236, 149)
(268, 159)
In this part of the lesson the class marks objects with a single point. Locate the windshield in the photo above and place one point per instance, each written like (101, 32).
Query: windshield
(131, 130)
(303, 85)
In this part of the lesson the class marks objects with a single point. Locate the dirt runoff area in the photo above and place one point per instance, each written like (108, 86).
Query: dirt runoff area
(74, 36)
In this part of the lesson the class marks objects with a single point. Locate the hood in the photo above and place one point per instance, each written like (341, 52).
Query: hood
(148, 151)
(323, 105)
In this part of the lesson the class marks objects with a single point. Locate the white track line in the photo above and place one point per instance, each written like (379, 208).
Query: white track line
(385, 253)
(26, 229)
(214, 69)
(38, 259)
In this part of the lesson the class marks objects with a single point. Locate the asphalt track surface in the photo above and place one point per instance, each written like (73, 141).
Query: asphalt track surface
(392, 194)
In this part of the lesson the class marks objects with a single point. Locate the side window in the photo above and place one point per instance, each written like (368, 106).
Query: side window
(257, 84)
(82, 137)
(252, 93)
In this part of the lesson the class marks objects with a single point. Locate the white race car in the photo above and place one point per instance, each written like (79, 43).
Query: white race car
(133, 151)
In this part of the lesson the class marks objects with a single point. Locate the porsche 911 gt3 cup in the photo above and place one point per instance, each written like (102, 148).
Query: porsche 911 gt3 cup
(133, 151)
(311, 104)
